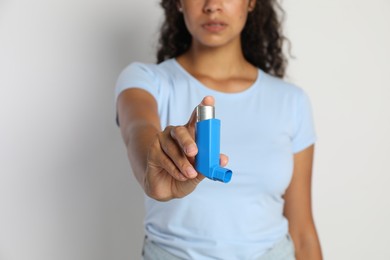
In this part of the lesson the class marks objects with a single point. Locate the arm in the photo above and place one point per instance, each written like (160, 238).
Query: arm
(162, 161)
(139, 125)
(298, 209)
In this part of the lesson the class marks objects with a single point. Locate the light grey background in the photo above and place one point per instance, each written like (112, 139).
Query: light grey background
(66, 190)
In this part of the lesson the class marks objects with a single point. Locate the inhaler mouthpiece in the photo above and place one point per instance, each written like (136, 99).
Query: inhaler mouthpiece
(208, 141)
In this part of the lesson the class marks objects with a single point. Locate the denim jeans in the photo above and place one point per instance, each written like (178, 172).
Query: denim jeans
(283, 250)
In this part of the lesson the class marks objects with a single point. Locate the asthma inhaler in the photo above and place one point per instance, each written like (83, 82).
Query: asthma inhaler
(207, 137)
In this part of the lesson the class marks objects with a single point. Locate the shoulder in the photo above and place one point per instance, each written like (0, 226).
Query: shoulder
(284, 94)
(149, 69)
(135, 69)
(162, 80)
(281, 86)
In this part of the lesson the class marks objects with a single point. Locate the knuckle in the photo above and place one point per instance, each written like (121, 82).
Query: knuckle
(165, 142)
(158, 194)
(155, 191)
(161, 136)
(178, 131)
(168, 129)
(183, 165)
(174, 172)
(166, 148)
(172, 169)
(178, 176)
(180, 195)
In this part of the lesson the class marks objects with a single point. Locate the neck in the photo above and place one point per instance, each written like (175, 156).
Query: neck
(220, 62)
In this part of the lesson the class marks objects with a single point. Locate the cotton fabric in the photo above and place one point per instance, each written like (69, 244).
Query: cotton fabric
(261, 129)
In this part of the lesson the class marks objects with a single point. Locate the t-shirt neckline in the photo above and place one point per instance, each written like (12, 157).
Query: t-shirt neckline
(244, 92)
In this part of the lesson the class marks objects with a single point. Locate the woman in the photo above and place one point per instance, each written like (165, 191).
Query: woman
(227, 53)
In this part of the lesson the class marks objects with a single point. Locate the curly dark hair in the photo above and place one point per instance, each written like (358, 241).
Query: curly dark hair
(262, 38)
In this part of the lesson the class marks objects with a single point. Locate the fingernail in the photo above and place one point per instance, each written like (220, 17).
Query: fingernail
(191, 172)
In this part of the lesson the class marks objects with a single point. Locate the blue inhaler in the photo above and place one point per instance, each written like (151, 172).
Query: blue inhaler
(207, 137)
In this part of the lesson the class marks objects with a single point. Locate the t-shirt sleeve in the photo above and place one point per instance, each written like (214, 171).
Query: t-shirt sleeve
(304, 130)
(137, 75)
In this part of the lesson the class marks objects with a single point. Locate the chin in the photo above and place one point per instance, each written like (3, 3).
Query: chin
(213, 43)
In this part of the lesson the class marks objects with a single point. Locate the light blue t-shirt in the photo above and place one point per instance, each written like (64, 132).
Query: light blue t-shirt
(261, 128)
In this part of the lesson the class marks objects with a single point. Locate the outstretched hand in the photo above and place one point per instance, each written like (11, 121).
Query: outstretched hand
(170, 171)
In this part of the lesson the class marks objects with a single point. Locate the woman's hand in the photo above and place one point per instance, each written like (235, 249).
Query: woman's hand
(170, 169)
(162, 162)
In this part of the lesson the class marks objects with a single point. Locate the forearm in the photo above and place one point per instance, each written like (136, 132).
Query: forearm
(298, 210)
(307, 247)
(139, 124)
(138, 139)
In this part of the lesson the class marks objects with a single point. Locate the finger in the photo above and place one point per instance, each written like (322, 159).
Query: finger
(208, 101)
(198, 179)
(172, 170)
(181, 189)
(176, 155)
(223, 160)
(195, 181)
(158, 160)
(185, 140)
